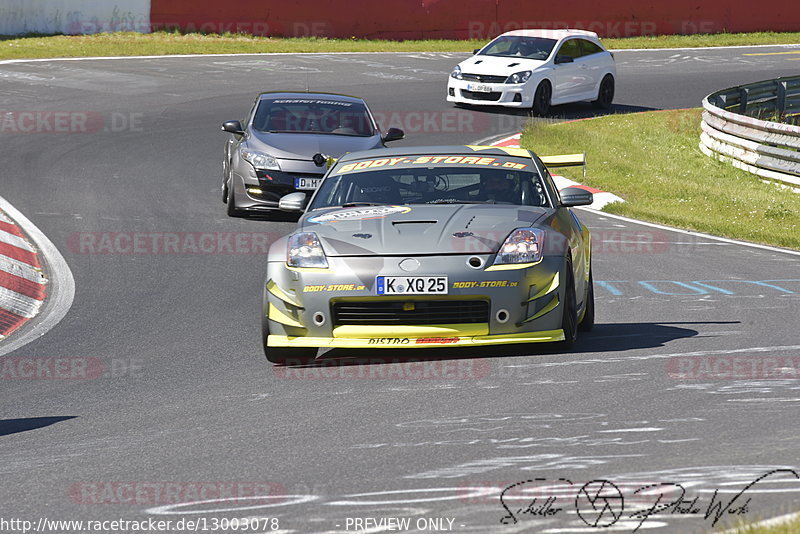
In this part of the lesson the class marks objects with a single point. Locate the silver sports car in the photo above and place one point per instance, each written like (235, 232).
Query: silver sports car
(429, 247)
(283, 145)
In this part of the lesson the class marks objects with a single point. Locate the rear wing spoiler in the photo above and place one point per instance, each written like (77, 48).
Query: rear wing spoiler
(567, 160)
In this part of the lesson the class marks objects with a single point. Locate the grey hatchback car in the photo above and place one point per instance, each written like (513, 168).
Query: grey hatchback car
(285, 142)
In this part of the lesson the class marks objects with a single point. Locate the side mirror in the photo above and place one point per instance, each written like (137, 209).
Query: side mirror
(393, 134)
(476, 51)
(234, 127)
(563, 59)
(295, 202)
(574, 196)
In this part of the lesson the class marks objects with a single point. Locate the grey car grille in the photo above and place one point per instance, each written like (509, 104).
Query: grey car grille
(486, 78)
(481, 96)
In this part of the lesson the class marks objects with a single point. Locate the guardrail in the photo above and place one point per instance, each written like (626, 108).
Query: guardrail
(734, 128)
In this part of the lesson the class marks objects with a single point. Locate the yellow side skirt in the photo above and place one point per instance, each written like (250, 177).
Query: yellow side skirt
(401, 341)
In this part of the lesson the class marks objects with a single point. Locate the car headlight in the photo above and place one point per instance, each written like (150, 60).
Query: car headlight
(305, 250)
(456, 73)
(523, 245)
(519, 77)
(259, 160)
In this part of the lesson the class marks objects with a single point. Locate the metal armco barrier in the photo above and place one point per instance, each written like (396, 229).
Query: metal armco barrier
(735, 129)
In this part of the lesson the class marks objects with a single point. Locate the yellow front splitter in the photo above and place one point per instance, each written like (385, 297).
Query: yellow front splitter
(415, 342)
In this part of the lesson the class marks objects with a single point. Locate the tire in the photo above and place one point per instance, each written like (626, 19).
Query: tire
(605, 94)
(541, 99)
(233, 211)
(587, 323)
(569, 312)
(282, 355)
(224, 182)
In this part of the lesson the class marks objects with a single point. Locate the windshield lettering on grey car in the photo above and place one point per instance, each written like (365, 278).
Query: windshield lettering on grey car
(313, 116)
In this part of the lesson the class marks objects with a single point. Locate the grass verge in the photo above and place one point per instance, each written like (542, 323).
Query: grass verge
(792, 527)
(652, 160)
(166, 43)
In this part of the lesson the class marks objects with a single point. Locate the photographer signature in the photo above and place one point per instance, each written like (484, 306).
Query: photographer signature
(600, 503)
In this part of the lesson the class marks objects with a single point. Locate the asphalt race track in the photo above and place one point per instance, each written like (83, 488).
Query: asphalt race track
(179, 405)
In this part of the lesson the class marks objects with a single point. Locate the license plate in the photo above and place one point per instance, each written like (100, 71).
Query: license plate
(306, 183)
(479, 88)
(412, 285)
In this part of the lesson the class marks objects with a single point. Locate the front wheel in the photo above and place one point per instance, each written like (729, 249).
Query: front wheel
(587, 323)
(605, 95)
(569, 312)
(541, 99)
(233, 211)
(224, 182)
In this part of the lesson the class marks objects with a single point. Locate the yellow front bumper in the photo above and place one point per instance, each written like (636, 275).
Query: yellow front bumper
(413, 337)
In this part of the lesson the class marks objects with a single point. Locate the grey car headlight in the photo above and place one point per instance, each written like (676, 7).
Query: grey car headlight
(305, 250)
(523, 245)
(519, 77)
(259, 160)
(456, 73)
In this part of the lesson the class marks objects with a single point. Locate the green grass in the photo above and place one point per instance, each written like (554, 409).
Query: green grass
(163, 43)
(792, 527)
(652, 160)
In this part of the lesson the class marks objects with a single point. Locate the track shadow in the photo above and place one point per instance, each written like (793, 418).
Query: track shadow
(564, 112)
(630, 336)
(14, 426)
(604, 338)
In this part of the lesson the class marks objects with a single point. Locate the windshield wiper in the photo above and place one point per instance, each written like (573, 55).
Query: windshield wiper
(457, 201)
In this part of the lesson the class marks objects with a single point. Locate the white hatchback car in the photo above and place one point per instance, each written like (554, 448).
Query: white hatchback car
(535, 69)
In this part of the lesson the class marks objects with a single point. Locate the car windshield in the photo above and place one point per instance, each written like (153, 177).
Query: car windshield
(516, 46)
(313, 115)
(432, 185)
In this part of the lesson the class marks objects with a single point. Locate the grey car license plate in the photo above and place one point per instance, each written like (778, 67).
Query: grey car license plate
(306, 183)
(479, 88)
(411, 285)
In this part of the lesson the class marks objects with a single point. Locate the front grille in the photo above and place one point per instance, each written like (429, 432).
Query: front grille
(280, 178)
(472, 95)
(427, 312)
(276, 184)
(486, 78)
